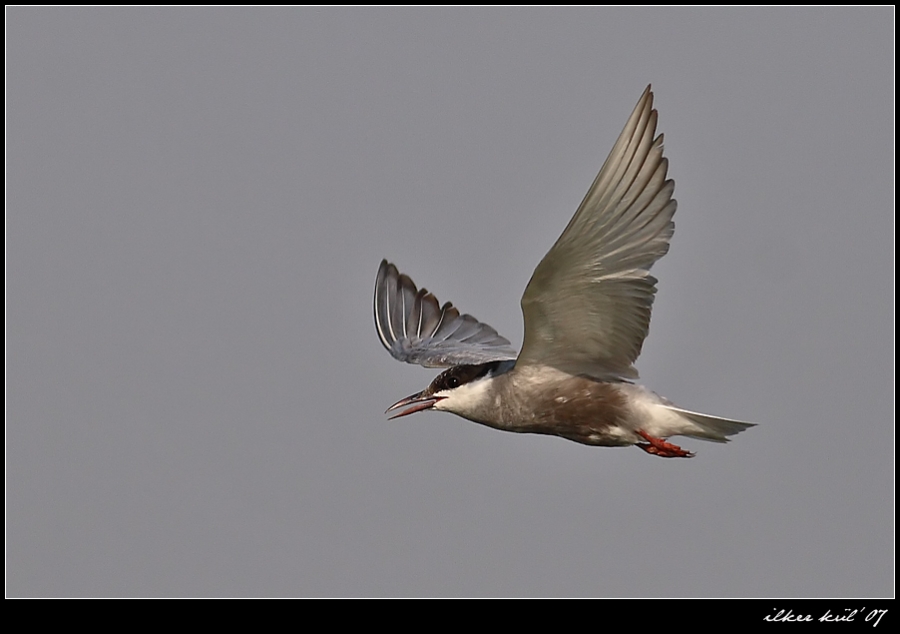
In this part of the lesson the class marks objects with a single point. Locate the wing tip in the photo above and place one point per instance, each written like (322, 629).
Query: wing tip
(379, 303)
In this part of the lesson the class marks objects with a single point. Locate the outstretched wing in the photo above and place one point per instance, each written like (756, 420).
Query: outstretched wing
(587, 306)
(414, 329)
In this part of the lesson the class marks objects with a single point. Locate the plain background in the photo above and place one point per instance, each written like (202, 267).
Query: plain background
(198, 200)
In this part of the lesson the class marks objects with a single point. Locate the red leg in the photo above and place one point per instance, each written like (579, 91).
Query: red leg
(661, 448)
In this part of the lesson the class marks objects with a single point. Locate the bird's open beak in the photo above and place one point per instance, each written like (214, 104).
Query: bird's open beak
(418, 402)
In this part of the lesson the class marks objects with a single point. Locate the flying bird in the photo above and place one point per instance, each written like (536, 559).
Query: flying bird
(587, 312)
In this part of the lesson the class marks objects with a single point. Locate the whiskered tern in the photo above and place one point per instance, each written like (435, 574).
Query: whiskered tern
(587, 312)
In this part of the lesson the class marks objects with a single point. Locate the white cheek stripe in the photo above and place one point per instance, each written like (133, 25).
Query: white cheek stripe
(465, 397)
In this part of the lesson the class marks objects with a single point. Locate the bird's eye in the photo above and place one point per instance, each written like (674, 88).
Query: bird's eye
(453, 381)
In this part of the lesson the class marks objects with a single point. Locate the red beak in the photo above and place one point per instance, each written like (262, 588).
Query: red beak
(418, 401)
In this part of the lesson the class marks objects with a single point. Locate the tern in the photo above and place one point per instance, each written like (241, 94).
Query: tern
(587, 313)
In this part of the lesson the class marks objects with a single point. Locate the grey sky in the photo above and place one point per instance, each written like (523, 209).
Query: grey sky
(198, 201)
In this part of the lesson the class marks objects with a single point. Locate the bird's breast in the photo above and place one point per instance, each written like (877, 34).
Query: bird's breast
(579, 408)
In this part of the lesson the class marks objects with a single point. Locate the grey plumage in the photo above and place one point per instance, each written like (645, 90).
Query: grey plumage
(587, 306)
(586, 311)
(414, 329)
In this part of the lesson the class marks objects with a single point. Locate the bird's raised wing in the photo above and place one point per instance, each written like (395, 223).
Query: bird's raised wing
(414, 329)
(587, 306)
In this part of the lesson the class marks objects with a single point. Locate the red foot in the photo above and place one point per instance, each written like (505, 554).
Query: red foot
(661, 448)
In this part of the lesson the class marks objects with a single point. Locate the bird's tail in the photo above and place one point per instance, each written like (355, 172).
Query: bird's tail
(710, 427)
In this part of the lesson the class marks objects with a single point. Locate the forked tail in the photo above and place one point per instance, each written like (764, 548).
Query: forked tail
(711, 427)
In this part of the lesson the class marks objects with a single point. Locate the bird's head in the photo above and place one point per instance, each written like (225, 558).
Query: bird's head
(460, 389)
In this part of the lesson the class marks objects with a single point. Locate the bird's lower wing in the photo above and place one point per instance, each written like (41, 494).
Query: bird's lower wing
(416, 329)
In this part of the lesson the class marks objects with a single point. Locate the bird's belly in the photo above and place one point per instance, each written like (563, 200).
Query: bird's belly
(594, 433)
(542, 400)
(580, 409)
